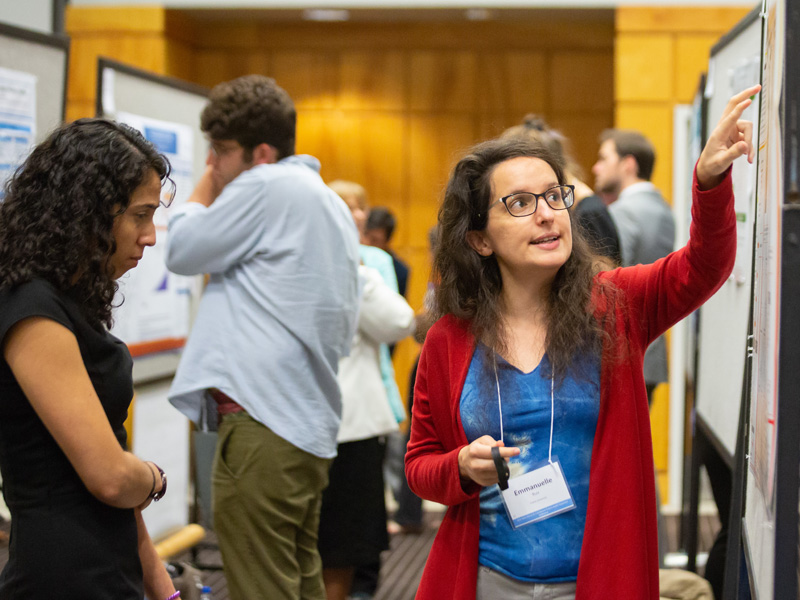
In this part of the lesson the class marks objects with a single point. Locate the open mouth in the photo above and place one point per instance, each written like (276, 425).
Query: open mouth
(546, 240)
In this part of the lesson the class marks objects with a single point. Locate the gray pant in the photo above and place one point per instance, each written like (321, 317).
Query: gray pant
(497, 586)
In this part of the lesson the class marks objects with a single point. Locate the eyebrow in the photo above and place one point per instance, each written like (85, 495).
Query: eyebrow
(153, 205)
(549, 186)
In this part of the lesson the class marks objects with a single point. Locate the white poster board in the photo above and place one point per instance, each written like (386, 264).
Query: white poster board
(724, 319)
(33, 75)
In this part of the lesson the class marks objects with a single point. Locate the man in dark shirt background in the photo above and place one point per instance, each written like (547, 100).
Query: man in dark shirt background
(378, 232)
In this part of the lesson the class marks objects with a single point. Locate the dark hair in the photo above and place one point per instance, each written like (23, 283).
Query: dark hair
(57, 218)
(470, 285)
(536, 129)
(252, 110)
(381, 218)
(633, 143)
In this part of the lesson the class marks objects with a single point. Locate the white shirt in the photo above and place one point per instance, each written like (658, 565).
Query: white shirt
(384, 317)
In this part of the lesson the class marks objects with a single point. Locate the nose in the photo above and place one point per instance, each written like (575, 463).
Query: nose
(148, 237)
(544, 213)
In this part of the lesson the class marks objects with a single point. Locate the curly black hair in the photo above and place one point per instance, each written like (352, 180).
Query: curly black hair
(59, 209)
(252, 110)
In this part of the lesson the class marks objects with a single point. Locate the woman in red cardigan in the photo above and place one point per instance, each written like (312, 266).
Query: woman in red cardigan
(536, 368)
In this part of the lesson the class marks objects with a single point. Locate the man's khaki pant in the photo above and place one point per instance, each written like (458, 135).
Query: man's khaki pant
(266, 501)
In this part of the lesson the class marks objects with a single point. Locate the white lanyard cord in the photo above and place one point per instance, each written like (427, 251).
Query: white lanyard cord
(552, 407)
(552, 415)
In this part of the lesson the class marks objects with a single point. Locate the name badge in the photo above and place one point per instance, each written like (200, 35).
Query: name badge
(537, 495)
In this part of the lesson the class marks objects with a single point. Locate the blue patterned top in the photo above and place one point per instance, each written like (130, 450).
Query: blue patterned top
(549, 550)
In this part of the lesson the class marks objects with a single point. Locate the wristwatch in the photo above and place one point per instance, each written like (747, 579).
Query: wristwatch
(156, 496)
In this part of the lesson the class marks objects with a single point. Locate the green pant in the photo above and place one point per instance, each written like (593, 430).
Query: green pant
(266, 500)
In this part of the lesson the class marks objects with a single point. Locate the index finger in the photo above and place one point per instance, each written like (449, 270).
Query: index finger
(741, 97)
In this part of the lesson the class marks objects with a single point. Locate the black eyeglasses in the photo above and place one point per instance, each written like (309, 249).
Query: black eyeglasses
(522, 204)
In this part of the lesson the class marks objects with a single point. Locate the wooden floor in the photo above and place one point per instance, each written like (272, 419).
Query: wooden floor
(404, 561)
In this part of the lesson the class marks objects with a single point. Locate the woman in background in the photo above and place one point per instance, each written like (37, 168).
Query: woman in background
(77, 215)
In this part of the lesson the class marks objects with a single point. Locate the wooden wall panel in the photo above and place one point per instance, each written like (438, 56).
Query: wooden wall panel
(369, 150)
(311, 78)
(645, 67)
(691, 60)
(443, 81)
(435, 145)
(654, 120)
(373, 81)
(579, 82)
(512, 81)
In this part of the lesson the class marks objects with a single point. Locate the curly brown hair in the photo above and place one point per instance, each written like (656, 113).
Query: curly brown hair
(470, 285)
(252, 110)
(59, 209)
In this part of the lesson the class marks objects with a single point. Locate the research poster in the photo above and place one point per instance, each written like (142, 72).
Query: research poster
(153, 304)
(17, 121)
(766, 317)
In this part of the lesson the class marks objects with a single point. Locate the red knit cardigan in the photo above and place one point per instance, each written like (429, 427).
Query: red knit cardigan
(619, 556)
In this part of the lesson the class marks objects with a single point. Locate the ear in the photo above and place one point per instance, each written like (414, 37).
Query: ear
(264, 154)
(477, 240)
(630, 165)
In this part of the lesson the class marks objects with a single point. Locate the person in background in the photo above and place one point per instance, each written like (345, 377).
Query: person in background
(278, 313)
(408, 518)
(355, 197)
(535, 370)
(646, 230)
(378, 231)
(77, 215)
(365, 579)
(352, 530)
(643, 218)
(589, 209)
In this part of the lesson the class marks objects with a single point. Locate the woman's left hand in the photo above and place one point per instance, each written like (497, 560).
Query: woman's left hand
(157, 582)
(730, 139)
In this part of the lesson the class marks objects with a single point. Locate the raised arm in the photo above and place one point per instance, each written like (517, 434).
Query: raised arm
(210, 238)
(669, 289)
(67, 404)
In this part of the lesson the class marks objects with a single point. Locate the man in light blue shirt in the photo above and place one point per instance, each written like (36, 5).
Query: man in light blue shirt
(281, 251)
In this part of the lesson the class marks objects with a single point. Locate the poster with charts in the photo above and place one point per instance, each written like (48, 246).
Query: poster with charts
(766, 285)
(17, 121)
(153, 304)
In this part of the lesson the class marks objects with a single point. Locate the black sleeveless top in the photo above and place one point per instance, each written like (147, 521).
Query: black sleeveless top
(64, 542)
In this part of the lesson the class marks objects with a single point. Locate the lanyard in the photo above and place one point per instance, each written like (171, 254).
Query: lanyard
(500, 407)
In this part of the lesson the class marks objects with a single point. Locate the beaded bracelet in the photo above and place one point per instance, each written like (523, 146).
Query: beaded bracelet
(174, 596)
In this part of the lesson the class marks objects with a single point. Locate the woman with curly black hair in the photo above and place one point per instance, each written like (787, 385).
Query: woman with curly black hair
(530, 413)
(77, 215)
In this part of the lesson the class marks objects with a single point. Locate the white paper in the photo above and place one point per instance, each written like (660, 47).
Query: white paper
(17, 121)
(156, 302)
